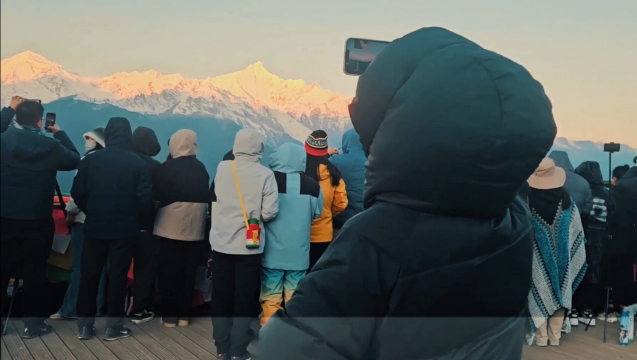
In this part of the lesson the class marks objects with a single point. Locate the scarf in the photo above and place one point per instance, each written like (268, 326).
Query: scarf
(559, 264)
(33, 129)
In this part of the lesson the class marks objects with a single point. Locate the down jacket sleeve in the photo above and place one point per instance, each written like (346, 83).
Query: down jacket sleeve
(337, 307)
(339, 204)
(270, 203)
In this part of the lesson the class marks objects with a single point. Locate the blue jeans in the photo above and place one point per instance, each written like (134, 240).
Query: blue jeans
(69, 307)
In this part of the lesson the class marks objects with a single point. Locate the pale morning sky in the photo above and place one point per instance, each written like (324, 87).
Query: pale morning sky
(583, 51)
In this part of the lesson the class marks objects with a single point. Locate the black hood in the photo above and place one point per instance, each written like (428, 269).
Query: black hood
(145, 141)
(449, 126)
(591, 171)
(228, 156)
(118, 133)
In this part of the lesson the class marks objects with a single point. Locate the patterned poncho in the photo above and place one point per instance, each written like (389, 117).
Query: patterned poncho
(559, 264)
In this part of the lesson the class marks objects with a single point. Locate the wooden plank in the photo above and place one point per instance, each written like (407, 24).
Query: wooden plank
(15, 344)
(203, 328)
(167, 342)
(94, 345)
(127, 348)
(4, 354)
(151, 344)
(55, 346)
(199, 350)
(75, 345)
(204, 341)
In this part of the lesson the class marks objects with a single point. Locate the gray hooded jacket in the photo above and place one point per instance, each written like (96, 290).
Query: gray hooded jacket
(259, 191)
(577, 186)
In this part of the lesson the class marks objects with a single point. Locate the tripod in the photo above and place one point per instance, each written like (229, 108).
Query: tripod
(610, 149)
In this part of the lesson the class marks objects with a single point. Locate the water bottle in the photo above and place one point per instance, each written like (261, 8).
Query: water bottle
(253, 234)
(624, 328)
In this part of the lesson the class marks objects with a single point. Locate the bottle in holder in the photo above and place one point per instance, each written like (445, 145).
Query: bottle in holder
(253, 235)
(624, 328)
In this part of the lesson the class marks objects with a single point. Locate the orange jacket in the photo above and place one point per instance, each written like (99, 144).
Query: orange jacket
(334, 203)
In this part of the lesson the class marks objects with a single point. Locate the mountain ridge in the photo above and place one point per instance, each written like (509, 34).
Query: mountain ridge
(252, 97)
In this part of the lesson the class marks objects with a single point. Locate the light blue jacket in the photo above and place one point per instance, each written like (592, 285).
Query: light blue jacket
(351, 164)
(300, 202)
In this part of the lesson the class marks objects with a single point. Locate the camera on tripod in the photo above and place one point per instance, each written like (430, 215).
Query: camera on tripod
(612, 147)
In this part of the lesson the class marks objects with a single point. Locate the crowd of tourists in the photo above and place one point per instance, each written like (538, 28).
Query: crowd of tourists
(412, 241)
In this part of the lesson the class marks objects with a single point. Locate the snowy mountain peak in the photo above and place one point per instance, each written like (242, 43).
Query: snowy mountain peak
(252, 97)
(29, 66)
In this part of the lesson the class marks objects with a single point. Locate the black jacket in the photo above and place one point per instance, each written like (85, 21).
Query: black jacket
(146, 145)
(595, 229)
(439, 263)
(624, 215)
(112, 186)
(29, 164)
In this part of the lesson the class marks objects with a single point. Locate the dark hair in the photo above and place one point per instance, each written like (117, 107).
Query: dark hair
(29, 113)
(312, 168)
(620, 171)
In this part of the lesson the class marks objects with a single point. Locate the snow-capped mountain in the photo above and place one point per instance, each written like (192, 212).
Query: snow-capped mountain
(253, 97)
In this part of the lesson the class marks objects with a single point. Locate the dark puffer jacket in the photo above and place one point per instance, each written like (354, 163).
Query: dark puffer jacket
(112, 187)
(146, 146)
(439, 263)
(595, 224)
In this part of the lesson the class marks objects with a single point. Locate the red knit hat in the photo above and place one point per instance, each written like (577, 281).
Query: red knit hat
(316, 143)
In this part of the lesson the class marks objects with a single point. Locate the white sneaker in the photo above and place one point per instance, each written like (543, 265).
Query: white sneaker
(57, 316)
(573, 318)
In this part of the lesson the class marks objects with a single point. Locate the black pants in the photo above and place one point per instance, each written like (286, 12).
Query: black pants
(96, 253)
(145, 257)
(179, 261)
(622, 280)
(26, 246)
(590, 297)
(236, 283)
(316, 251)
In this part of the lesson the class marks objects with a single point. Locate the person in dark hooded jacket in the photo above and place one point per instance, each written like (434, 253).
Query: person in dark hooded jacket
(112, 187)
(623, 251)
(439, 263)
(351, 164)
(577, 186)
(146, 146)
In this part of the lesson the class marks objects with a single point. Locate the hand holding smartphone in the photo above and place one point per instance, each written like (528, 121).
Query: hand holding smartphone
(49, 123)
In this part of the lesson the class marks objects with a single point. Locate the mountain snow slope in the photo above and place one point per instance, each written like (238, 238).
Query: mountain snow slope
(253, 97)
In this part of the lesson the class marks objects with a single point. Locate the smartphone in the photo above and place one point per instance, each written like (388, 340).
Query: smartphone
(50, 120)
(36, 100)
(359, 53)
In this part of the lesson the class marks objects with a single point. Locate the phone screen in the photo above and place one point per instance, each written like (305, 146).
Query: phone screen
(50, 120)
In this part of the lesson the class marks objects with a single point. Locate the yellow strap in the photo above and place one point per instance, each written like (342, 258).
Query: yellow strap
(243, 208)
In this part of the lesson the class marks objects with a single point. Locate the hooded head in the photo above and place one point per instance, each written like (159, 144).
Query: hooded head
(118, 133)
(591, 171)
(94, 139)
(248, 145)
(351, 142)
(449, 127)
(288, 158)
(183, 143)
(561, 159)
(145, 141)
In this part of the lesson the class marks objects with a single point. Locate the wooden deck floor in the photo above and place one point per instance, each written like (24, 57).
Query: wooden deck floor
(152, 341)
